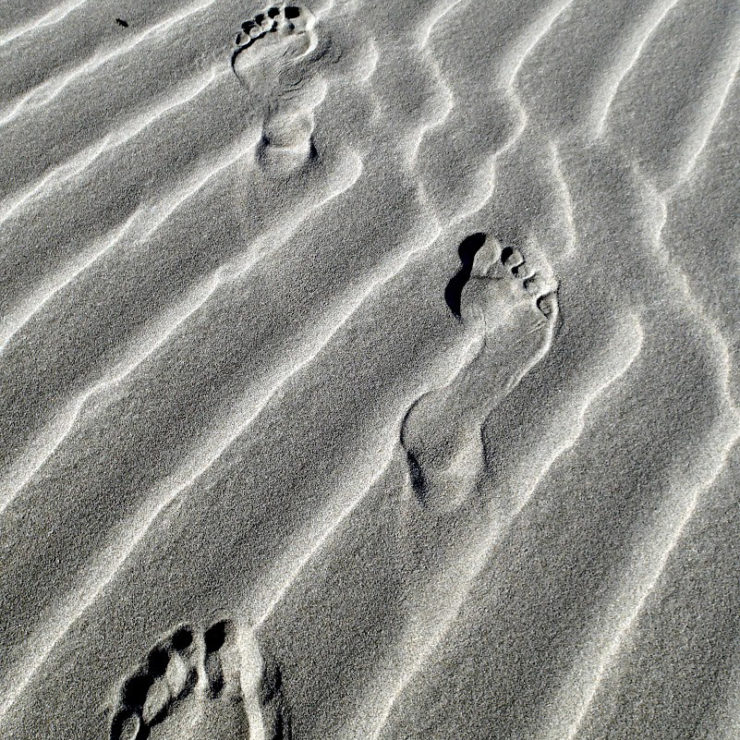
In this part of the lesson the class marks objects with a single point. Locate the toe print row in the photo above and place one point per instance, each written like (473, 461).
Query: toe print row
(166, 676)
(279, 21)
(533, 283)
(195, 683)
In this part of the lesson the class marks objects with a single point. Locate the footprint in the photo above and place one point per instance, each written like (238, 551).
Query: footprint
(511, 308)
(283, 29)
(267, 61)
(202, 685)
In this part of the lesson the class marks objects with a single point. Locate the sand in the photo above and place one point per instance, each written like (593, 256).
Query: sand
(369, 370)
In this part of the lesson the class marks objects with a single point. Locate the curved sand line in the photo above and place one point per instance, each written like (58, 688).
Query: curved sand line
(50, 89)
(632, 52)
(54, 16)
(129, 130)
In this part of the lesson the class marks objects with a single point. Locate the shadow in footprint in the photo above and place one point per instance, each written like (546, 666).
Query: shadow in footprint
(467, 250)
(214, 639)
(274, 22)
(275, 708)
(416, 475)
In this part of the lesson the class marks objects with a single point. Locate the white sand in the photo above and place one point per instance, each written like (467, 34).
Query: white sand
(369, 370)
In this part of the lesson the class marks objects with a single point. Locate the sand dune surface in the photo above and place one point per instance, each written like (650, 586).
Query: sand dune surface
(369, 370)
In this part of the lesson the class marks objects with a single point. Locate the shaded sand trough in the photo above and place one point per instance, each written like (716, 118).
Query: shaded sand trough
(369, 370)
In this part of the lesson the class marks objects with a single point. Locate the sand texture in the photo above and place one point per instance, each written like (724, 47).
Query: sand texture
(369, 370)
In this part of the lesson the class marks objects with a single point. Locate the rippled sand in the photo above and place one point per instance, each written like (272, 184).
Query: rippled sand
(369, 370)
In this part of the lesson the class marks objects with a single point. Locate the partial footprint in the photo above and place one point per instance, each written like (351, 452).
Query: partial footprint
(222, 710)
(287, 141)
(512, 308)
(162, 680)
(210, 685)
(280, 29)
(275, 711)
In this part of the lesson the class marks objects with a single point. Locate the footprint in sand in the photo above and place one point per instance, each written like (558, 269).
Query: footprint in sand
(512, 308)
(209, 685)
(266, 60)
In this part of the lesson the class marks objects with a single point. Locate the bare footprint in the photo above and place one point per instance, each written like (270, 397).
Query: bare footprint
(267, 61)
(210, 685)
(512, 309)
